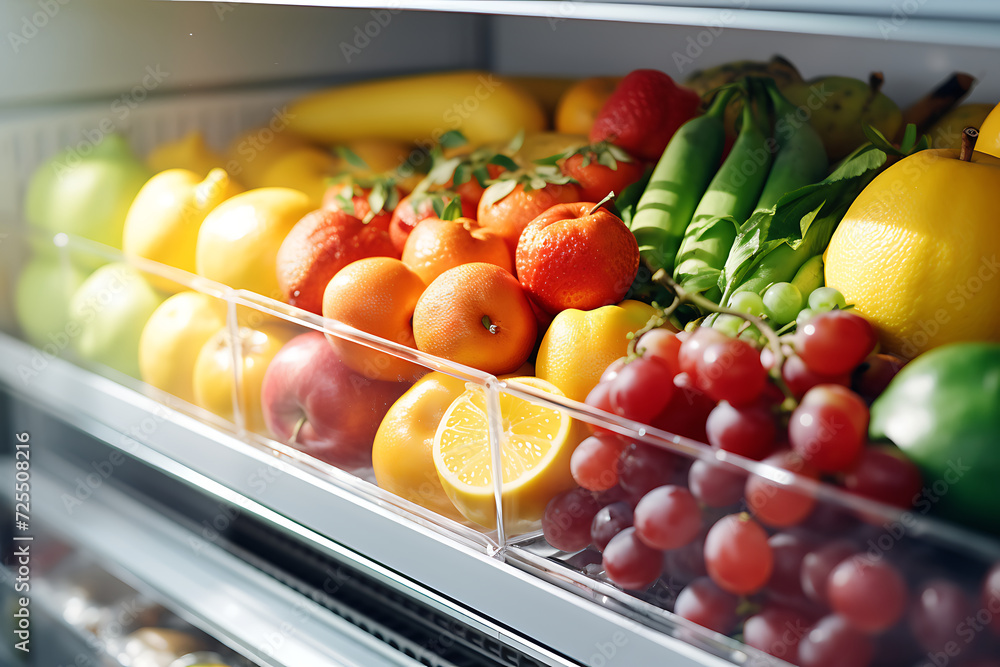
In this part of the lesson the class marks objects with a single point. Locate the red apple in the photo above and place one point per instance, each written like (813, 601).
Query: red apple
(315, 402)
(319, 245)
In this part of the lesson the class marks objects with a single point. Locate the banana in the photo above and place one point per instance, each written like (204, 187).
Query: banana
(418, 109)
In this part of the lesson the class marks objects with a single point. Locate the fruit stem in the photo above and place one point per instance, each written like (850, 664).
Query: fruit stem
(298, 426)
(969, 136)
(607, 198)
(492, 328)
(707, 305)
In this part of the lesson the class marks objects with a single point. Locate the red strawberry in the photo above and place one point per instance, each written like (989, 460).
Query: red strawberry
(643, 113)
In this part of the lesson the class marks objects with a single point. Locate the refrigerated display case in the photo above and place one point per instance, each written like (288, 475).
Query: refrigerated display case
(269, 556)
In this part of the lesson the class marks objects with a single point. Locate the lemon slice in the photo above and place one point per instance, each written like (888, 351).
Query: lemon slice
(536, 443)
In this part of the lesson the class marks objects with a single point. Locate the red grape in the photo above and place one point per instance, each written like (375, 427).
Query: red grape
(835, 342)
(600, 398)
(594, 462)
(776, 631)
(748, 431)
(737, 554)
(686, 413)
(630, 563)
(730, 370)
(693, 347)
(870, 594)
(667, 517)
(567, 518)
(819, 563)
(991, 597)
(716, 484)
(644, 467)
(642, 389)
(884, 473)
(608, 522)
(939, 608)
(829, 428)
(704, 603)
(662, 344)
(781, 505)
(800, 378)
(832, 642)
(789, 551)
(687, 563)
(871, 378)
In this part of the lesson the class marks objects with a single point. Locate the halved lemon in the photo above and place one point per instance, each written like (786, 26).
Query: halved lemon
(536, 442)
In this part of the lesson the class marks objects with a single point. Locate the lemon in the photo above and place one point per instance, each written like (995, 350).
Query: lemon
(173, 336)
(918, 252)
(307, 169)
(536, 442)
(989, 134)
(403, 451)
(163, 221)
(238, 241)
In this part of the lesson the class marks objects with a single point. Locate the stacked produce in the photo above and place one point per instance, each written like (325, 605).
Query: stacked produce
(733, 273)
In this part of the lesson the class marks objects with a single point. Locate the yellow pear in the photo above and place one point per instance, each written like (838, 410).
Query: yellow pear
(162, 223)
(188, 152)
(989, 134)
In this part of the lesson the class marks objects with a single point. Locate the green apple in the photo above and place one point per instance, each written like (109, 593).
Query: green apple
(107, 316)
(86, 191)
(42, 296)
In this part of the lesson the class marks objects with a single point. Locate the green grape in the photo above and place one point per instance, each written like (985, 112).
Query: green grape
(804, 316)
(782, 302)
(728, 324)
(747, 302)
(826, 298)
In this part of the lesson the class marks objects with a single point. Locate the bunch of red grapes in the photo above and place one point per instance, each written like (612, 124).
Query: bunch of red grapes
(730, 550)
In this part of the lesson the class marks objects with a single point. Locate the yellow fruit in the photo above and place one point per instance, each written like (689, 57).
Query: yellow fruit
(989, 134)
(536, 443)
(947, 132)
(381, 155)
(917, 252)
(252, 153)
(548, 90)
(546, 144)
(580, 104)
(238, 242)
(189, 152)
(174, 336)
(579, 345)
(214, 377)
(417, 109)
(163, 222)
(306, 169)
(403, 452)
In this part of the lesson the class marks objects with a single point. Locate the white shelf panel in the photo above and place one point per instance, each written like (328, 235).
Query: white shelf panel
(960, 22)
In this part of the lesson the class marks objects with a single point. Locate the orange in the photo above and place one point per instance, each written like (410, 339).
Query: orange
(436, 245)
(580, 104)
(577, 256)
(510, 215)
(476, 314)
(376, 295)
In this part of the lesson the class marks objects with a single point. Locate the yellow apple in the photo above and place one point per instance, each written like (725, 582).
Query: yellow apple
(214, 377)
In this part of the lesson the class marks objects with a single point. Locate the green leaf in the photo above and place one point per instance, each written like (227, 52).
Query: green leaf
(618, 153)
(453, 211)
(498, 191)
(504, 161)
(515, 143)
(608, 161)
(551, 160)
(377, 198)
(351, 157)
(704, 280)
(453, 139)
(482, 175)
(878, 140)
(444, 170)
(909, 138)
(438, 204)
(627, 201)
(463, 173)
